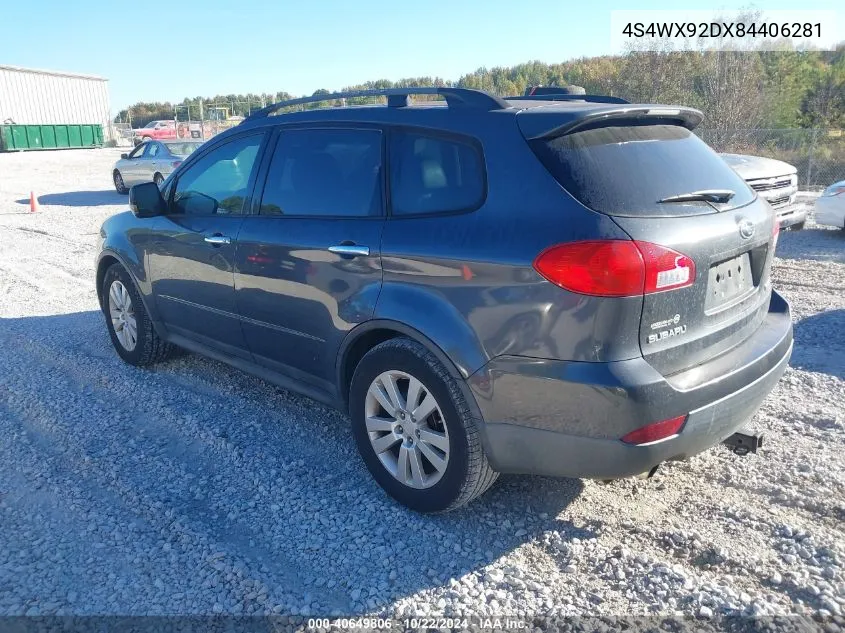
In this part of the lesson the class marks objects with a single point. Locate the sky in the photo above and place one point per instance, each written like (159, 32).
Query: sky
(194, 48)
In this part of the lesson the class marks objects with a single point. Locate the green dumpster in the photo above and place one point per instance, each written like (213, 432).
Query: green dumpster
(29, 137)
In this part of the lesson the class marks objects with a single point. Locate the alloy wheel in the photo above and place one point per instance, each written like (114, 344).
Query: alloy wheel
(122, 316)
(406, 429)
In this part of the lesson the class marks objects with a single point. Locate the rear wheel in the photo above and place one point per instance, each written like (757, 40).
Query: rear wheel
(119, 185)
(130, 328)
(415, 430)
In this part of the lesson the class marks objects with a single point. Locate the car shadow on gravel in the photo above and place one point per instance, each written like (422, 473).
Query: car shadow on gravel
(79, 199)
(269, 483)
(820, 244)
(819, 345)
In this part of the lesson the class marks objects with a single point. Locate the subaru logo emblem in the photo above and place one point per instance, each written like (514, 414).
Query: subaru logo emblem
(746, 229)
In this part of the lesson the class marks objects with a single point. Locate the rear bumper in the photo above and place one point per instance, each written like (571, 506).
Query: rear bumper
(830, 211)
(559, 418)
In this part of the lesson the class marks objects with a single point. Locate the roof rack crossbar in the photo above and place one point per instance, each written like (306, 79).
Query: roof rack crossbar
(398, 97)
(565, 97)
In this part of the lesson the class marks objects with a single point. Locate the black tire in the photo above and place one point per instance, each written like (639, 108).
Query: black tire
(149, 348)
(798, 226)
(158, 179)
(119, 185)
(468, 473)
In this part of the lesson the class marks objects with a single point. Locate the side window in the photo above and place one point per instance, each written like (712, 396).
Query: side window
(434, 174)
(217, 182)
(139, 151)
(325, 172)
(153, 150)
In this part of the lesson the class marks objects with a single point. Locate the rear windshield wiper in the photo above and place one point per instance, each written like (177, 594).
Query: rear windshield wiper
(705, 195)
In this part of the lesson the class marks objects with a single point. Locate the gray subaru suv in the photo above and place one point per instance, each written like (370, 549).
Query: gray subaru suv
(561, 285)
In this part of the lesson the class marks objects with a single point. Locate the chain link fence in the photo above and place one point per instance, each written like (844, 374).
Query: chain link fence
(819, 155)
(120, 134)
(205, 120)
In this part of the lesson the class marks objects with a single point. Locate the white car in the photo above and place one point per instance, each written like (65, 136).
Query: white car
(830, 206)
(774, 181)
(150, 161)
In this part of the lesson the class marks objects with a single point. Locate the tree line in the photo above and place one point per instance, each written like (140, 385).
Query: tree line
(735, 89)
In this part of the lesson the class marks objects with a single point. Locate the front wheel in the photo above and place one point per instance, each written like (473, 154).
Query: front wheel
(119, 185)
(414, 429)
(158, 179)
(132, 333)
(798, 226)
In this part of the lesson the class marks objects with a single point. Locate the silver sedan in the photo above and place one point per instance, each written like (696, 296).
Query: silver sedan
(150, 161)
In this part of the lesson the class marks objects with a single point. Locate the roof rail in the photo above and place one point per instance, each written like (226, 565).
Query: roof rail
(568, 97)
(398, 98)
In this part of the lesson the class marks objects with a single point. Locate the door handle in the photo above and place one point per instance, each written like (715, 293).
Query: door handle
(350, 250)
(217, 239)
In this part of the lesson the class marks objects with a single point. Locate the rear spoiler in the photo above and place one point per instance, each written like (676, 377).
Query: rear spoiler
(673, 115)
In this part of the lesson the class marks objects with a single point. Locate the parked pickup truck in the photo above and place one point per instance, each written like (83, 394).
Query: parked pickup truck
(774, 181)
(157, 130)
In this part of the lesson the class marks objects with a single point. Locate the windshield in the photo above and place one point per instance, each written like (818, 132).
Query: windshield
(151, 124)
(628, 170)
(182, 149)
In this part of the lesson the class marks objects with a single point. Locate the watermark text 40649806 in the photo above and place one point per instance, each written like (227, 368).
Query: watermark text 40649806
(772, 30)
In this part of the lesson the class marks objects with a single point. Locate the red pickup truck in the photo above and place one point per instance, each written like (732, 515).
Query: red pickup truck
(158, 130)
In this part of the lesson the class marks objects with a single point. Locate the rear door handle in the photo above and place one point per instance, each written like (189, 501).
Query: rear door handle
(217, 239)
(350, 250)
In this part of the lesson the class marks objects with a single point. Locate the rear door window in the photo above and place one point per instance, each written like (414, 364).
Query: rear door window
(434, 174)
(328, 172)
(625, 170)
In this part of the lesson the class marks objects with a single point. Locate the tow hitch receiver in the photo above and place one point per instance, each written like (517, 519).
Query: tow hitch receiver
(742, 444)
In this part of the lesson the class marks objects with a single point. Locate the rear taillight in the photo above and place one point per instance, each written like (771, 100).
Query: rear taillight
(775, 232)
(655, 432)
(175, 163)
(615, 268)
(833, 190)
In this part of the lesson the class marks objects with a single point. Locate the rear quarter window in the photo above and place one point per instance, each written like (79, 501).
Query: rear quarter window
(625, 170)
(433, 174)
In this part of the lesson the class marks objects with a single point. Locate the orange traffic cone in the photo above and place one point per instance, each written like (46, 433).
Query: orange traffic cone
(33, 202)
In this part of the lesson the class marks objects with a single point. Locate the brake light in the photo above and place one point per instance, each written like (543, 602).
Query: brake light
(775, 232)
(175, 163)
(615, 268)
(655, 432)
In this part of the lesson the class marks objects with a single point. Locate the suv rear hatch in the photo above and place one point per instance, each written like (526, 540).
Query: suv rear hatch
(643, 166)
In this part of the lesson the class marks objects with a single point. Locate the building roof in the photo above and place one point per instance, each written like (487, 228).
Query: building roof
(55, 73)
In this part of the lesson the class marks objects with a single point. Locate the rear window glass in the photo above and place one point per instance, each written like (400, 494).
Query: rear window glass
(182, 149)
(625, 170)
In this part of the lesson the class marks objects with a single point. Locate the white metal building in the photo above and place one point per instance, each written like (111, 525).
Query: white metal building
(44, 97)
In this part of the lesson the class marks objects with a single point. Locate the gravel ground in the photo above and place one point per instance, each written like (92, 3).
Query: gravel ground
(193, 488)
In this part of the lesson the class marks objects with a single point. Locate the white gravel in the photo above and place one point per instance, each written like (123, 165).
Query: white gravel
(193, 488)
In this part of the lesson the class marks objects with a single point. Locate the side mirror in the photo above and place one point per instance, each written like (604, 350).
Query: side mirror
(145, 200)
(124, 155)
